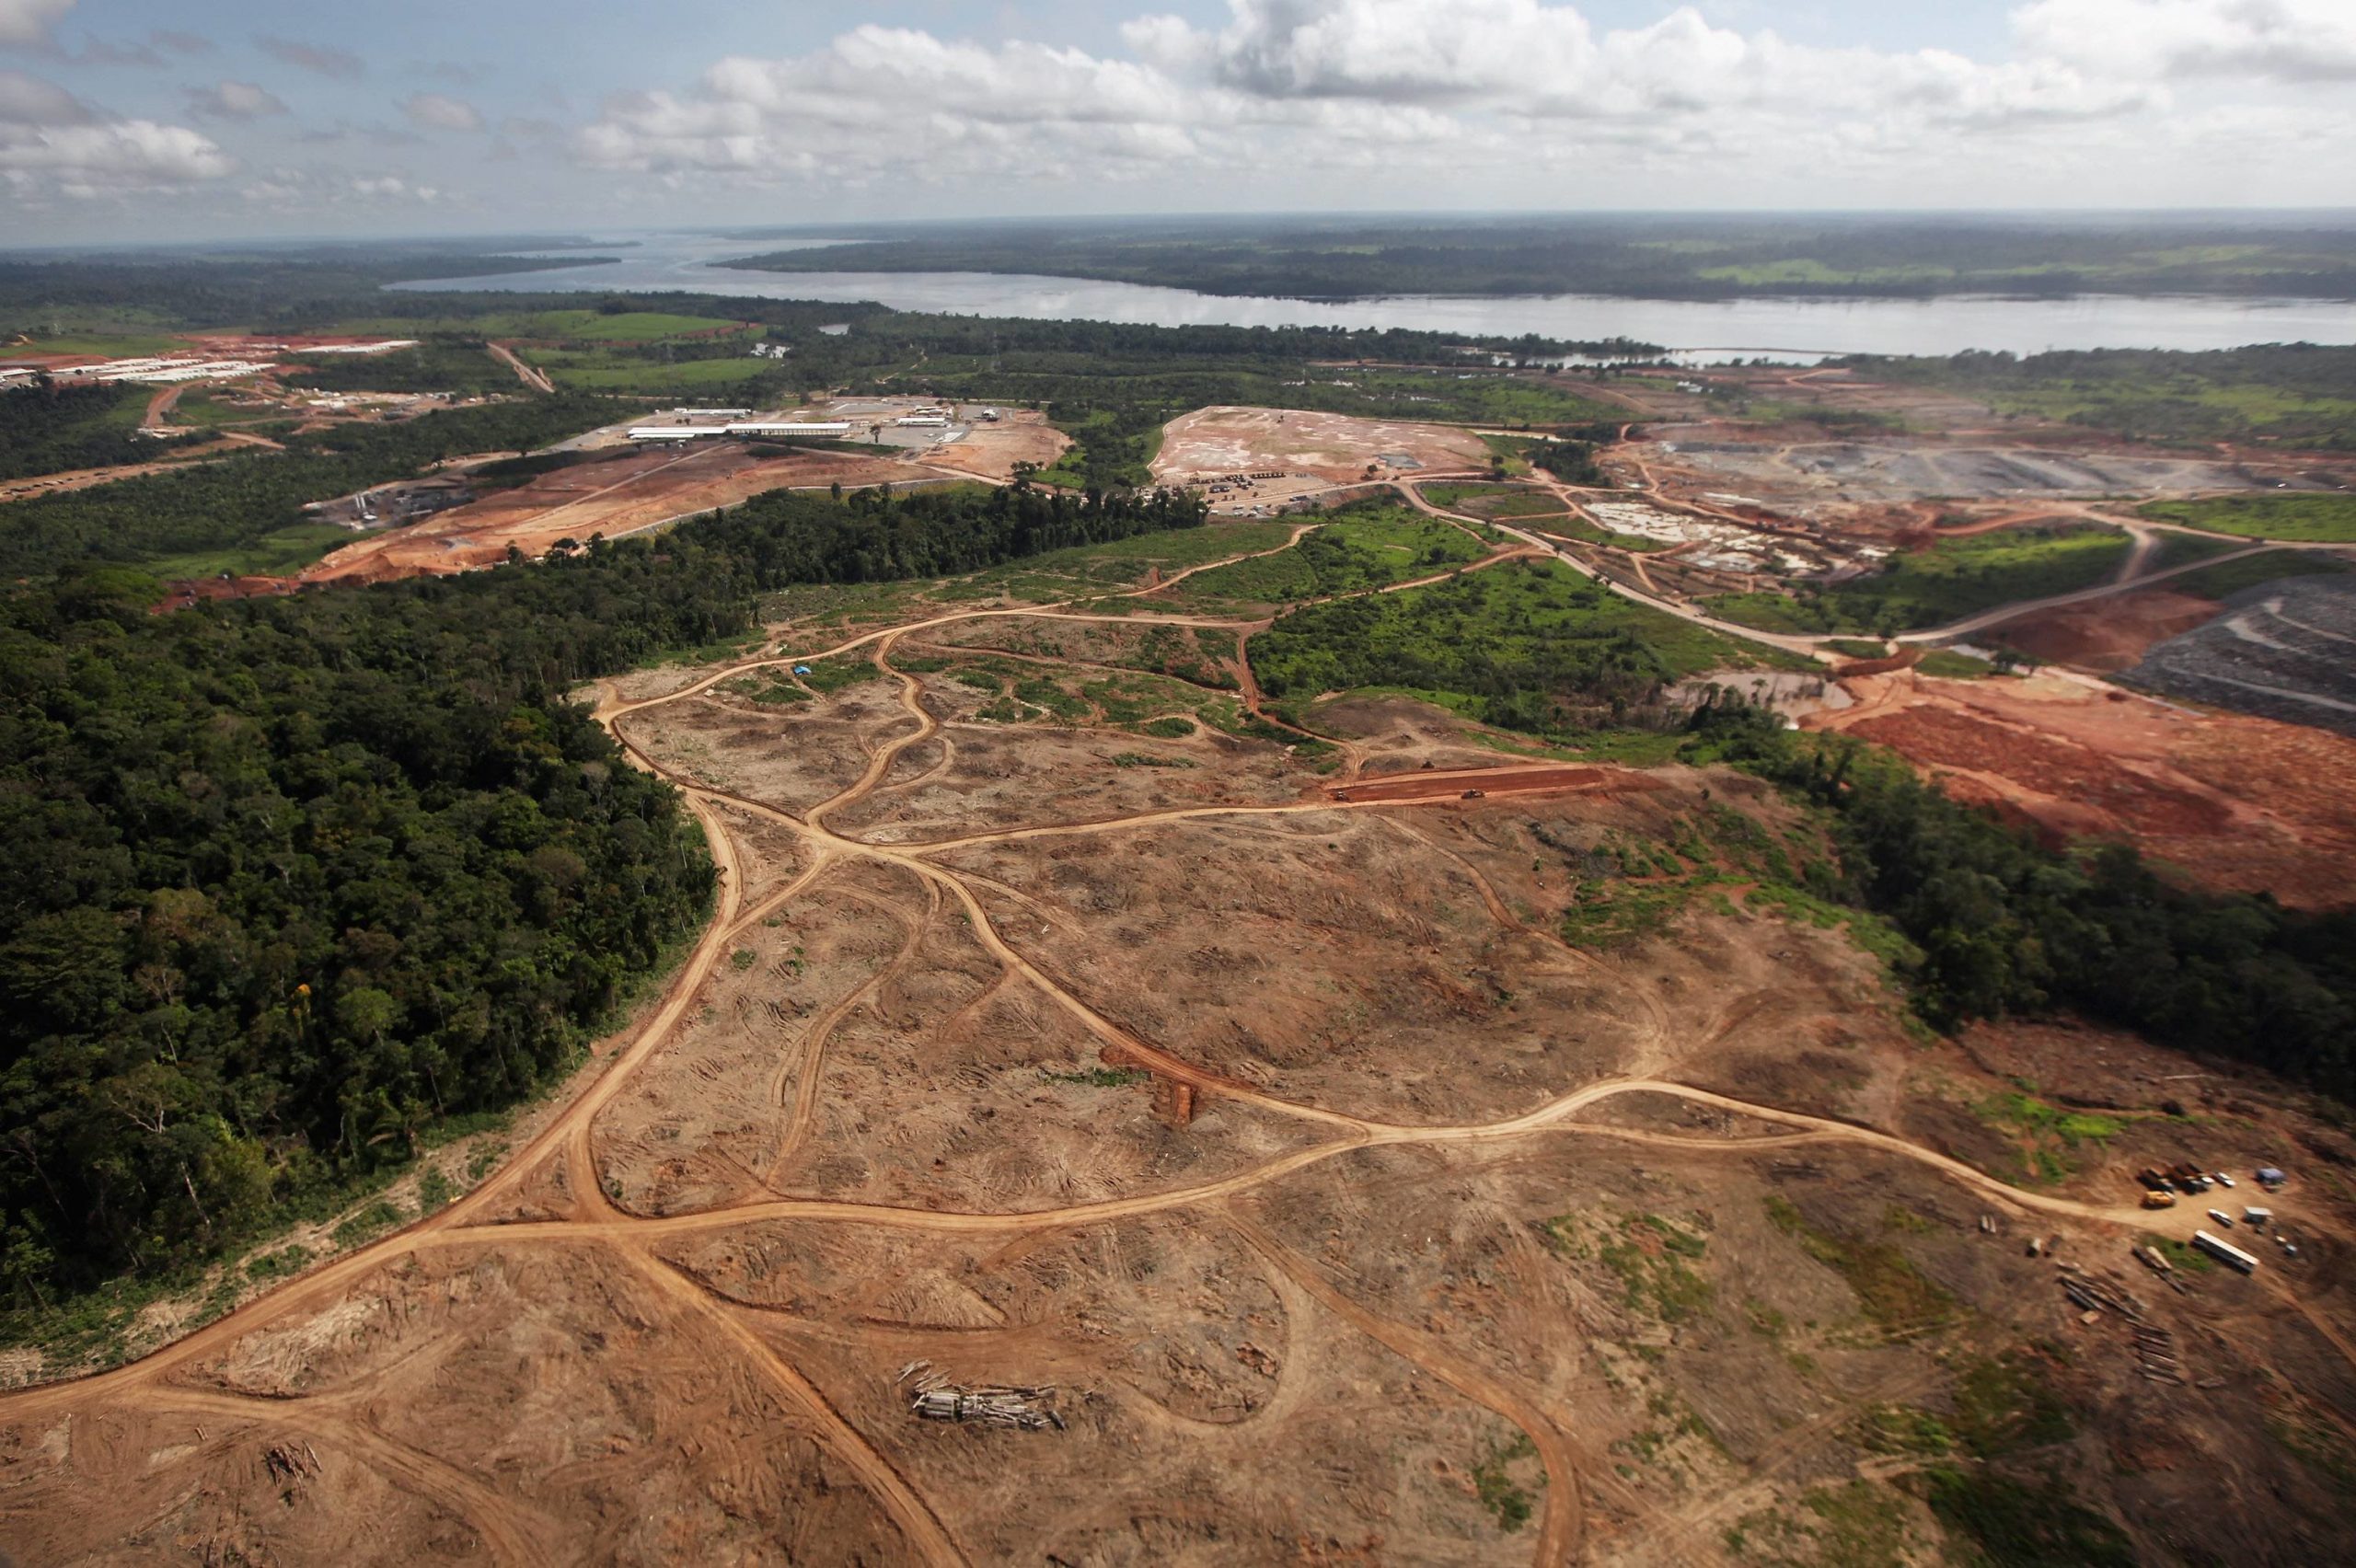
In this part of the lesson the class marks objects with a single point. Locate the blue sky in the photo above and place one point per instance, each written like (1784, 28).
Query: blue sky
(155, 119)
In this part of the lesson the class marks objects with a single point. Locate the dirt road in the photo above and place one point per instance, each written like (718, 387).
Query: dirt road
(625, 1243)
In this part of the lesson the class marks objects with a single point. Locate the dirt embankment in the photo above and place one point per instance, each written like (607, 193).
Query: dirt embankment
(2236, 803)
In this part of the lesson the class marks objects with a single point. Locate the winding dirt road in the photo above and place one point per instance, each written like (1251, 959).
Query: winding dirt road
(509, 1532)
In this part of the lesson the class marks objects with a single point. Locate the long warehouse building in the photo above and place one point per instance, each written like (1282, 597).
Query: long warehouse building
(744, 427)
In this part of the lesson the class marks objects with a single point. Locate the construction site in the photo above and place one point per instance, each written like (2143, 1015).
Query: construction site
(1066, 1143)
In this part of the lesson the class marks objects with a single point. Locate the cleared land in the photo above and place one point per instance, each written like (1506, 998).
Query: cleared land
(1336, 448)
(614, 496)
(1523, 1179)
(2245, 803)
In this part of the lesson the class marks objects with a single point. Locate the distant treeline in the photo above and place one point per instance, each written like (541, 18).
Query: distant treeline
(293, 879)
(235, 501)
(2007, 927)
(50, 428)
(1658, 257)
(2290, 394)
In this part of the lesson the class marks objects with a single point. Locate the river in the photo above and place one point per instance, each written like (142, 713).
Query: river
(1703, 332)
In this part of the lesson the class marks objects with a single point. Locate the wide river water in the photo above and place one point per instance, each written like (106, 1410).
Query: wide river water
(1701, 332)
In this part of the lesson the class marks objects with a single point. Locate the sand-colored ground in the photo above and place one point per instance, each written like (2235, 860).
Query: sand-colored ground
(991, 450)
(1340, 1209)
(615, 497)
(1335, 447)
(2237, 803)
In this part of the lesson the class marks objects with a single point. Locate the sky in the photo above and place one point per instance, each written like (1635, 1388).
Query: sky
(157, 120)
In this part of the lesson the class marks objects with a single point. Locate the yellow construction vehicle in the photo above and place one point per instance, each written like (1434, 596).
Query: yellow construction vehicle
(2159, 1200)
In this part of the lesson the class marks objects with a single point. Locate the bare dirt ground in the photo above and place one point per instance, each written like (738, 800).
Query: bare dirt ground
(991, 450)
(2106, 636)
(1333, 1204)
(613, 497)
(2236, 802)
(1334, 447)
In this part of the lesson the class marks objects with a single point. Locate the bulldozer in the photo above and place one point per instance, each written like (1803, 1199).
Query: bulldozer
(2159, 1200)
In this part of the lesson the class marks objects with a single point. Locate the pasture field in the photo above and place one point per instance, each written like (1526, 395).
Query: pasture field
(1949, 581)
(2305, 518)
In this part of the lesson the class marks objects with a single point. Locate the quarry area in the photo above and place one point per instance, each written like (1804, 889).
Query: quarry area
(1099, 1126)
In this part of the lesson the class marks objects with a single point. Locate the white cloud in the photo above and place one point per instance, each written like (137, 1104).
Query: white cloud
(27, 23)
(1420, 86)
(28, 100)
(2287, 40)
(293, 189)
(433, 111)
(53, 145)
(234, 100)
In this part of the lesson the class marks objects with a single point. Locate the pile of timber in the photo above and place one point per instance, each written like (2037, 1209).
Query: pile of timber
(289, 1463)
(2101, 1296)
(1028, 1408)
(2155, 1356)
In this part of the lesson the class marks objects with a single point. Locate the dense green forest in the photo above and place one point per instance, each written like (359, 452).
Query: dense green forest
(2006, 926)
(51, 429)
(237, 501)
(297, 877)
(1698, 256)
(2295, 394)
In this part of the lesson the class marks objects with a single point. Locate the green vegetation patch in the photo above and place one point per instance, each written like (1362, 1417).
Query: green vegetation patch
(1889, 1288)
(1500, 1494)
(1369, 545)
(1948, 664)
(1528, 646)
(1945, 581)
(1861, 1524)
(1653, 1258)
(1099, 1077)
(1903, 1429)
(2006, 1404)
(2228, 578)
(2305, 517)
(2016, 1524)
(2048, 1136)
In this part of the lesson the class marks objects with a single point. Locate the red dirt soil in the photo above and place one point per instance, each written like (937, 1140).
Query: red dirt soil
(2107, 635)
(2234, 803)
(1491, 781)
(610, 498)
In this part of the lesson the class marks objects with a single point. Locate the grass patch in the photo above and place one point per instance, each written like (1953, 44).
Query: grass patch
(1889, 1289)
(1945, 581)
(1494, 1485)
(1652, 1257)
(2011, 1524)
(2304, 517)
(1852, 647)
(2228, 578)
(1903, 1429)
(1168, 728)
(1369, 545)
(827, 676)
(2049, 1136)
(1532, 646)
(366, 1224)
(1948, 664)
(2005, 1405)
(278, 553)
